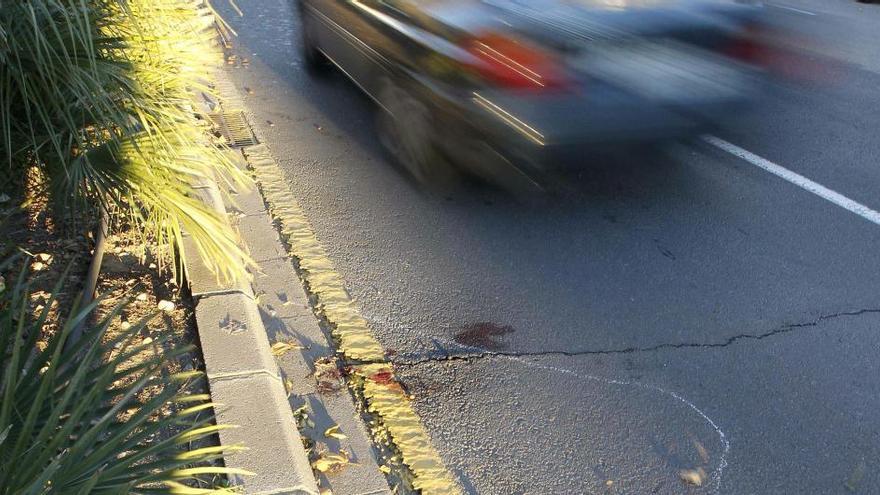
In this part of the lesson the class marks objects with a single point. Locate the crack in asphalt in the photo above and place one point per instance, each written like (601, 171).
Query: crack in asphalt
(470, 353)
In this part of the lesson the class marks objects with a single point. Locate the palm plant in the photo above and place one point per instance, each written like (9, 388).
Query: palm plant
(96, 94)
(87, 418)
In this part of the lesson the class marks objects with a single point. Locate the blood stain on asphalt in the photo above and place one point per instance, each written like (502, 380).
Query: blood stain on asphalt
(483, 334)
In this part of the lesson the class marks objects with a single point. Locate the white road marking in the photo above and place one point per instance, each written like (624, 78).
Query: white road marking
(793, 9)
(797, 179)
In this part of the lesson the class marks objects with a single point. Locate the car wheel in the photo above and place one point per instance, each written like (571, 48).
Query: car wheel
(406, 132)
(312, 55)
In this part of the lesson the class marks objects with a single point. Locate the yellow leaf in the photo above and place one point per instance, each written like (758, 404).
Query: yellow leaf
(330, 462)
(333, 432)
(280, 348)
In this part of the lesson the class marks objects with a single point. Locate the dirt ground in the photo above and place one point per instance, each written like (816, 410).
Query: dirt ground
(57, 256)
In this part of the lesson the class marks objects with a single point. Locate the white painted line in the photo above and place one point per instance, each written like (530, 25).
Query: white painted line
(793, 9)
(797, 179)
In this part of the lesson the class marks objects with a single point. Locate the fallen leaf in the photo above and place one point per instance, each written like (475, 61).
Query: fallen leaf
(328, 375)
(385, 469)
(333, 432)
(694, 477)
(330, 463)
(280, 348)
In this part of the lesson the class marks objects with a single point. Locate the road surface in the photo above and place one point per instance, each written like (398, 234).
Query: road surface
(663, 316)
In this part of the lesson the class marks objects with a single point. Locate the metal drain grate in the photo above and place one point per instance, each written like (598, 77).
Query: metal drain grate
(234, 127)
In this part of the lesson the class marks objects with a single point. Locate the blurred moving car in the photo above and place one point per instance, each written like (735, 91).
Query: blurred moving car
(510, 88)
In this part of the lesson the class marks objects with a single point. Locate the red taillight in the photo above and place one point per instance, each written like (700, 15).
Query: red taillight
(749, 47)
(776, 52)
(513, 63)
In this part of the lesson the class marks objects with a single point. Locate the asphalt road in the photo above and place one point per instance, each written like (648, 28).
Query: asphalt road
(665, 315)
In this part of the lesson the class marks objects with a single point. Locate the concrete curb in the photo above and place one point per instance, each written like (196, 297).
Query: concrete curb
(243, 377)
(288, 318)
(245, 381)
(255, 388)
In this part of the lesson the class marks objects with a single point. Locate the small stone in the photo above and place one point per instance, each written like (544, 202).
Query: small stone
(142, 296)
(4, 198)
(125, 325)
(166, 306)
(148, 340)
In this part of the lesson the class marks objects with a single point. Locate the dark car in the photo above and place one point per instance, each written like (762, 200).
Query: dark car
(510, 88)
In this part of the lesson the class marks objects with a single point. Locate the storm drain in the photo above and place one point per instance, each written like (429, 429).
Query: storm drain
(234, 127)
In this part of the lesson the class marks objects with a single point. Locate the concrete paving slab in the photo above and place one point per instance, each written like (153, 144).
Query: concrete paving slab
(262, 239)
(202, 280)
(245, 200)
(361, 477)
(280, 290)
(303, 331)
(266, 427)
(232, 336)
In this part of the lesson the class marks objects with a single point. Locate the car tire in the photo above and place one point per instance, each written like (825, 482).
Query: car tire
(314, 59)
(406, 131)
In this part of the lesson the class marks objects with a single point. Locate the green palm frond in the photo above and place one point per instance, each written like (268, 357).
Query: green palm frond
(75, 419)
(97, 93)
